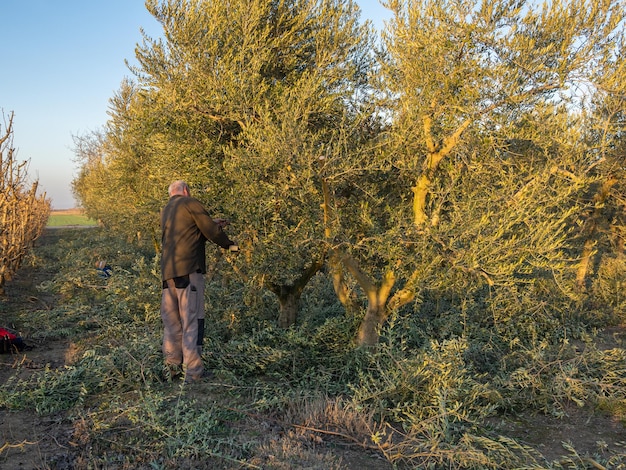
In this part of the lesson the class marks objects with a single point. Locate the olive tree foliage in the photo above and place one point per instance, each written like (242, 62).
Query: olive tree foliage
(121, 181)
(602, 230)
(460, 63)
(485, 145)
(244, 100)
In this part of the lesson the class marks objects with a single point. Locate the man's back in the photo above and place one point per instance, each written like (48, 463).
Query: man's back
(186, 226)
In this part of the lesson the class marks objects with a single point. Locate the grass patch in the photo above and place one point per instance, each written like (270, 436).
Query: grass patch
(70, 217)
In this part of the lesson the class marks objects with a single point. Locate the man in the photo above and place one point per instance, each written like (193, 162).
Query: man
(186, 226)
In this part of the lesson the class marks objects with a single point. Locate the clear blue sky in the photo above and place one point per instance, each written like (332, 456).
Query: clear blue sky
(61, 61)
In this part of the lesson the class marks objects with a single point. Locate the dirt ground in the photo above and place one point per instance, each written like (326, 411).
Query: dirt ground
(29, 441)
(75, 211)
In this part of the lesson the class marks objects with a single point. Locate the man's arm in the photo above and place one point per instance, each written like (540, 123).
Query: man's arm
(211, 229)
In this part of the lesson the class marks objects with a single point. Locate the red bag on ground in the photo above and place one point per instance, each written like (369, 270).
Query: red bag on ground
(10, 341)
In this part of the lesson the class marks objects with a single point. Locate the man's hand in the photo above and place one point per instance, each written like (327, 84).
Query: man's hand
(222, 222)
(233, 248)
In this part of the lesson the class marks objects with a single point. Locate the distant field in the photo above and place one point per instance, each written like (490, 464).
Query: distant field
(69, 217)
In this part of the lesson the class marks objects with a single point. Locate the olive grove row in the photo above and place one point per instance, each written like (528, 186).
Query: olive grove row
(470, 157)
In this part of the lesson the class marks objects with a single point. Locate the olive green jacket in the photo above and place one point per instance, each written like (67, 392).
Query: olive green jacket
(185, 228)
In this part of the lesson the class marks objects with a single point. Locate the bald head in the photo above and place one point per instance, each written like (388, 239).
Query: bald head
(178, 188)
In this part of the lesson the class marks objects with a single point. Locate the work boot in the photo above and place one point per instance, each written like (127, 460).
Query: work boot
(206, 375)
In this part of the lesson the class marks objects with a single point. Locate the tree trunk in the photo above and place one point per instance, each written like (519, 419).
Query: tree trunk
(618, 240)
(591, 229)
(420, 193)
(378, 309)
(289, 295)
(336, 269)
(436, 153)
(344, 294)
(289, 305)
(376, 313)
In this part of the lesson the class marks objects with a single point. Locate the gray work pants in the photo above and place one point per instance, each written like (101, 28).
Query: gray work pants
(182, 312)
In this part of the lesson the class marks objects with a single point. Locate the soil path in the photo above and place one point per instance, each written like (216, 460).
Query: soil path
(27, 440)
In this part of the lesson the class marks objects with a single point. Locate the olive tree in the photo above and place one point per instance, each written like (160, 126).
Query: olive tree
(244, 99)
(482, 97)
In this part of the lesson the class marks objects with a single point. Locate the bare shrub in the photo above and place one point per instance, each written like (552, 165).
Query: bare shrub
(23, 214)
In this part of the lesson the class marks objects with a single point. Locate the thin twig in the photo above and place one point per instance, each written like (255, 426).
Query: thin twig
(338, 434)
(21, 445)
